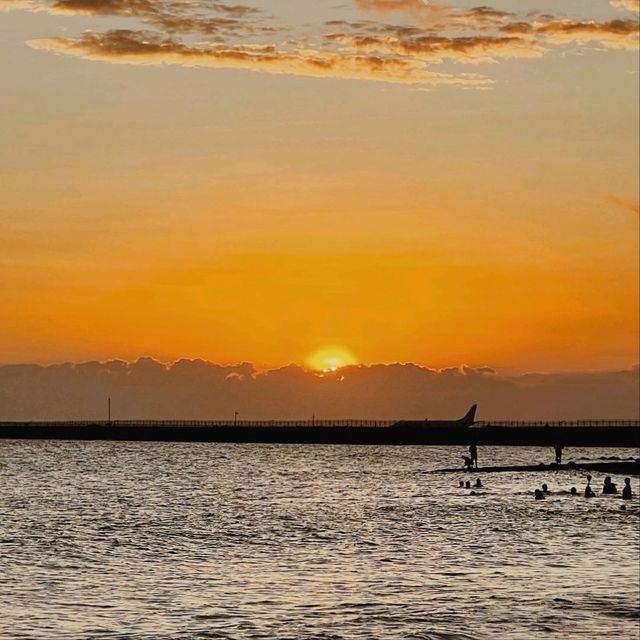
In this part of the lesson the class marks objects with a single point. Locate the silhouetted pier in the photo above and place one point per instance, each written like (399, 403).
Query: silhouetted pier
(583, 433)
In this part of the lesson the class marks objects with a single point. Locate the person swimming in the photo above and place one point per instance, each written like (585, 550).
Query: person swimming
(478, 483)
(538, 494)
(626, 492)
(609, 487)
(545, 489)
(588, 491)
(461, 485)
(573, 491)
(467, 484)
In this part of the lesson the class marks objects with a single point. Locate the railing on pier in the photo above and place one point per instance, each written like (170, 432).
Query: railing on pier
(255, 423)
(209, 423)
(557, 423)
(310, 423)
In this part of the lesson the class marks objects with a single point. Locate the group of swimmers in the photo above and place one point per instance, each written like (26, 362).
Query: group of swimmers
(608, 488)
(471, 462)
(467, 485)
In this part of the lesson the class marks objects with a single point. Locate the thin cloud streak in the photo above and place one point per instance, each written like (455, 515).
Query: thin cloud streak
(466, 50)
(437, 16)
(617, 34)
(19, 5)
(625, 203)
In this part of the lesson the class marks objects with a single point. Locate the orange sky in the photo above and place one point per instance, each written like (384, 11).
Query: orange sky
(486, 215)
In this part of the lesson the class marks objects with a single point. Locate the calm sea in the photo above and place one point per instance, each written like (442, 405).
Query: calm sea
(127, 540)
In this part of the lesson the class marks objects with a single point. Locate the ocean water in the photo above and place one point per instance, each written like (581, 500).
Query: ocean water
(143, 540)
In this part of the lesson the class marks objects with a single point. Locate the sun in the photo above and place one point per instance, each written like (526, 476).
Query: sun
(331, 358)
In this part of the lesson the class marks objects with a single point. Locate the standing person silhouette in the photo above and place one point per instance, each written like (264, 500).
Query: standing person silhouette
(473, 454)
(559, 449)
(626, 492)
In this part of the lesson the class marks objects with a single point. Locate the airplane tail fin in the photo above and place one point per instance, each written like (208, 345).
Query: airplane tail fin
(470, 418)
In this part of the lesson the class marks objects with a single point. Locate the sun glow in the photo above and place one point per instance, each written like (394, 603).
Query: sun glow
(331, 358)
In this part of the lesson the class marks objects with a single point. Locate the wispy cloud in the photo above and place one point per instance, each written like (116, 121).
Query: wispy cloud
(141, 47)
(16, 5)
(625, 203)
(626, 5)
(437, 16)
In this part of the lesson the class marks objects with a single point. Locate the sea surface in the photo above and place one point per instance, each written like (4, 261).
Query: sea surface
(114, 540)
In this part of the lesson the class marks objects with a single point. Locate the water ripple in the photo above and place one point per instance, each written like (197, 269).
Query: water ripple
(179, 541)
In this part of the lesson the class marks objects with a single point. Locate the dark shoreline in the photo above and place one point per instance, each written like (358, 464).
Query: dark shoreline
(618, 467)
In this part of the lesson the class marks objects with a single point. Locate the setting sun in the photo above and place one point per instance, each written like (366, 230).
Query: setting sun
(331, 359)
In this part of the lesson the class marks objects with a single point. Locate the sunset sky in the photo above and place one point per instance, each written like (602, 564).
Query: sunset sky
(373, 180)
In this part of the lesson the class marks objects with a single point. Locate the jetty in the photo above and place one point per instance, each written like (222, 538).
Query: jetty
(580, 433)
(615, 467)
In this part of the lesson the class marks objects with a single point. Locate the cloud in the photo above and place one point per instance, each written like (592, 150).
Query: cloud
(621, 34)
(152, 7)
(19, 5)
(105, 7)
(629, 205)
(196, 389)
(386, 6)
(144, 47)
(514, 40)
(626, 5)
(614, 33)
(133, 7)
(175, 16)
(439, 16)
(212, 34)
(431, 48)
(416, 8)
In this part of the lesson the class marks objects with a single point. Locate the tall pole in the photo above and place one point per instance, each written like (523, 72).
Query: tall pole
(109, 409)
(235, 418)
